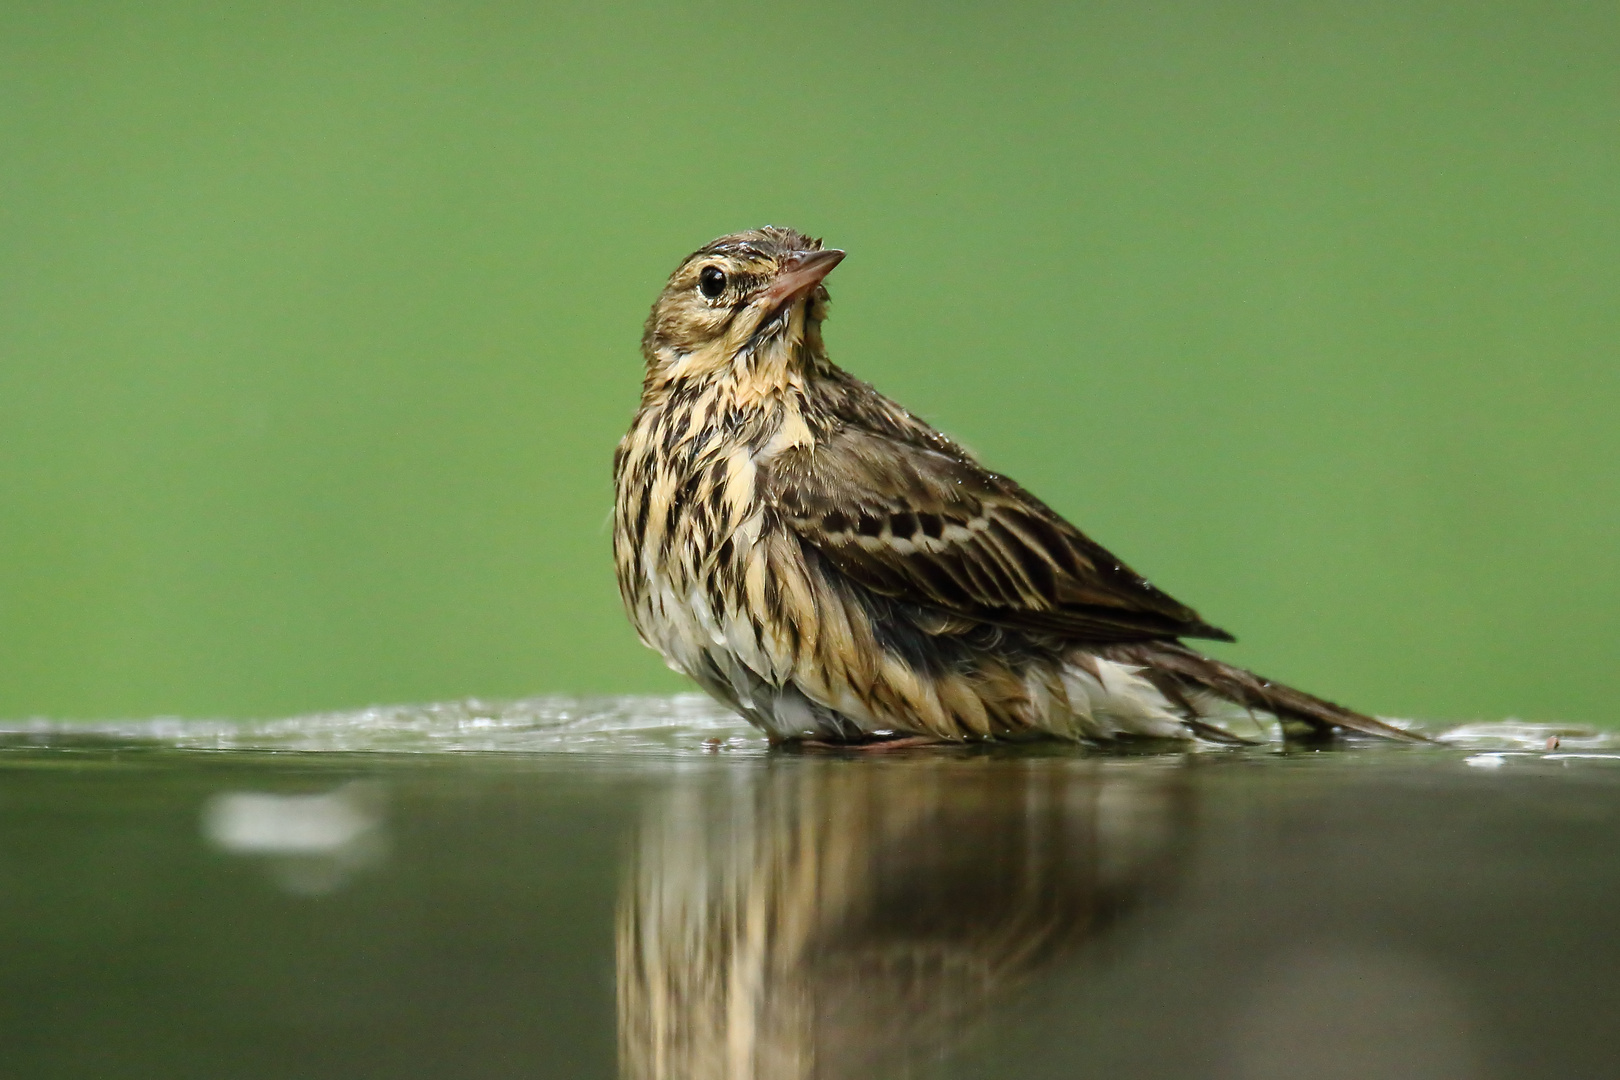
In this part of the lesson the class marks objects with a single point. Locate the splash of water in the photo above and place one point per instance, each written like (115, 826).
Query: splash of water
(679, 724)
(683, 723)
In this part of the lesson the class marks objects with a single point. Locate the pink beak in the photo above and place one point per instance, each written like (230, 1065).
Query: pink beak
(801, 272)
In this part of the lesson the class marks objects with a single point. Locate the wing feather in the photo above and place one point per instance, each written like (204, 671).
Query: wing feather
(919, 520)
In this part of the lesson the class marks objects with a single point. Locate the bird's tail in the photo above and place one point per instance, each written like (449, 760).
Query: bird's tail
(1184, 676)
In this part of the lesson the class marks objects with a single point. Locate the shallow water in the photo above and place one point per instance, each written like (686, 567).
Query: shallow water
(638, 887)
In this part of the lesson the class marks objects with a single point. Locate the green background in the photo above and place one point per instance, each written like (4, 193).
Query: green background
(319, 322)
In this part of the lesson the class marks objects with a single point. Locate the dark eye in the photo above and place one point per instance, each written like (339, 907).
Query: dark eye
(711, 281)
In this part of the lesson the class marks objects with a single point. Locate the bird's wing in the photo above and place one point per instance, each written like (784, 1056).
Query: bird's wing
(932, 527)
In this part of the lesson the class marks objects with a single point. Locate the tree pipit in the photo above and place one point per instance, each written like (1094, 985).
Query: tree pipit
(836, 570)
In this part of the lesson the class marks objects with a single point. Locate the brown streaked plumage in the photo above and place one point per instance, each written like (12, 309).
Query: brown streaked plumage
(833, 568)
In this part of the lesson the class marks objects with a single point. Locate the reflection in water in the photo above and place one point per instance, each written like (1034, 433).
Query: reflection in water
(311, 844)
(820, 918)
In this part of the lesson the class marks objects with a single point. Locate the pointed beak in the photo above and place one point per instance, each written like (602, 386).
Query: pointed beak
(801, 272)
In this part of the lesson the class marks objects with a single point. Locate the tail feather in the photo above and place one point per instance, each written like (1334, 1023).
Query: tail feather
(1171, 663)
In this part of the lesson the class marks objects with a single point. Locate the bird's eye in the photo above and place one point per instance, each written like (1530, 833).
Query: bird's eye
(711, 281)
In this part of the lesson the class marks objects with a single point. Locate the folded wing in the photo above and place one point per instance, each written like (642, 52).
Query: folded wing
(926, 525)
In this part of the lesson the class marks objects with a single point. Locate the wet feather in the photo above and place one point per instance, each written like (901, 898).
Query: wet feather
(834, 568)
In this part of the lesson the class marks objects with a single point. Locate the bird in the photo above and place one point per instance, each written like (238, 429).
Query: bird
(840, 573)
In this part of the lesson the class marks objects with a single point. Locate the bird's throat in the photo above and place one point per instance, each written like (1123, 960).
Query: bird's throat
(770, 367)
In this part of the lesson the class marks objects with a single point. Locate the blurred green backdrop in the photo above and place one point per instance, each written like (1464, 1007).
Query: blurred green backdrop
(319, 321)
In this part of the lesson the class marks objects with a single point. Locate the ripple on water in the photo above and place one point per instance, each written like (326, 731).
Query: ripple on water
(682, 723)
(679, 724)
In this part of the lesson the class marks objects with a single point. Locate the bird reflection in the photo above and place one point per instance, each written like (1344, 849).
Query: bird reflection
(832, 918)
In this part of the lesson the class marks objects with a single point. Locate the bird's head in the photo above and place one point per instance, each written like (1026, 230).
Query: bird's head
(747, 301)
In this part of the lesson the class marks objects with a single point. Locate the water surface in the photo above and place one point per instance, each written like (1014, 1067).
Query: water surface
(638, 887)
